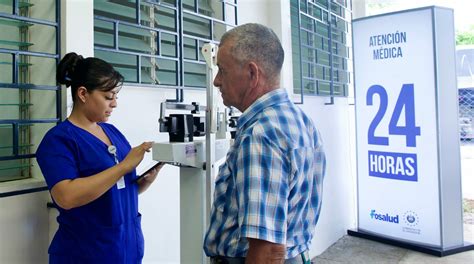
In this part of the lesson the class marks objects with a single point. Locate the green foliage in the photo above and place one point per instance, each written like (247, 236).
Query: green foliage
(378, 8)
(468, 205)
(465, 37)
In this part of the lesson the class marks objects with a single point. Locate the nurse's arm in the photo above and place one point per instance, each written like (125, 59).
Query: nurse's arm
(77, 192)
(73, 193)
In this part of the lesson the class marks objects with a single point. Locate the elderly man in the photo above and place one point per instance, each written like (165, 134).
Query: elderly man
(268, 192)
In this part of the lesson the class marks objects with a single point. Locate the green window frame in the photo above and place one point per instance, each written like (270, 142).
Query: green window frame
(30, 99)
(157, 43)
(321, 54)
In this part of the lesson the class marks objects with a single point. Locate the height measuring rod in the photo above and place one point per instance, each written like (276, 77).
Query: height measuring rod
(209, 52)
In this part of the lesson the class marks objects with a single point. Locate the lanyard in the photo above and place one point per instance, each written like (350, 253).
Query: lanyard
(113, 150)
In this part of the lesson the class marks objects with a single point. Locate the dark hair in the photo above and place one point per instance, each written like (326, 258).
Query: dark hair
(92, 73)
(256, 42)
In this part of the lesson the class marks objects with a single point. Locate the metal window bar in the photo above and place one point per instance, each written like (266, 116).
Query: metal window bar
(180, 29)
(179, 34)
(299, 53)
(15, 84)
(466, 113)
(330, 18)
(15, 140)
(331, 70)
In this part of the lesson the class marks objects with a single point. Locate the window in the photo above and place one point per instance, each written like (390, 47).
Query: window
(158, 43)
(320, 31)
(465, 76)
(30, 99)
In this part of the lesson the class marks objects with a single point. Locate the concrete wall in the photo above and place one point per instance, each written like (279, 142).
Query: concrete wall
(24, 228)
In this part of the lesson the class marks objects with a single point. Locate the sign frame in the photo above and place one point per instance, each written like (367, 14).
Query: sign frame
(426, 169)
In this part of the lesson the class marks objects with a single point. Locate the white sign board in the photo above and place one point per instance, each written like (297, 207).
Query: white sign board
(396, 82)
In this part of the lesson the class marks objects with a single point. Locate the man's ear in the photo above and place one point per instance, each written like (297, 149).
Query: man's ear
(82, 94)
(254, 73)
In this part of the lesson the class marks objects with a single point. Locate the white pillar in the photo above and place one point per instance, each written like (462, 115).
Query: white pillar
(77, 35)
(358, 9)
(77, 27)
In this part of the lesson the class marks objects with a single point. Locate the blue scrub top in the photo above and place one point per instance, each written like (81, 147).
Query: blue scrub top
(108, 229)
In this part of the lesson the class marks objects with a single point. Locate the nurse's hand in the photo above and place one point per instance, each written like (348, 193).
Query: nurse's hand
(149, 178)
(135, 156)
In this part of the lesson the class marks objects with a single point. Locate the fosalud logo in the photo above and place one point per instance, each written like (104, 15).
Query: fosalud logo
(384, 217)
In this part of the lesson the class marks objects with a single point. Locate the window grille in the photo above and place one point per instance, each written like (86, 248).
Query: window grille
(320, 31)
(158, 43)
(465, 78)
(30, 99)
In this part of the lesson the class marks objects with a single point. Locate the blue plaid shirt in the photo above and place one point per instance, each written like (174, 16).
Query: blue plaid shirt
(270, 186)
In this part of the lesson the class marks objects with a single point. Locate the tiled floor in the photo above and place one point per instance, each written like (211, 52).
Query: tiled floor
(355, 250)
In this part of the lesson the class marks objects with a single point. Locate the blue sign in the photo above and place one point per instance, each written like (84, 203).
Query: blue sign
(391, 165)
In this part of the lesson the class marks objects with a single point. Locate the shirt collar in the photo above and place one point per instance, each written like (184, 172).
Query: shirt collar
(271, 98)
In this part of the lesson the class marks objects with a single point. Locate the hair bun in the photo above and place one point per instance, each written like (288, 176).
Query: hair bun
(65, 73)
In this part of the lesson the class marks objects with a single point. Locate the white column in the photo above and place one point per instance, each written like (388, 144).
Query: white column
(77, 35)
(358, 9)
(77, 27)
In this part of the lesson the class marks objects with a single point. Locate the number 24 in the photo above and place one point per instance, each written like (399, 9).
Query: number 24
(406, 99)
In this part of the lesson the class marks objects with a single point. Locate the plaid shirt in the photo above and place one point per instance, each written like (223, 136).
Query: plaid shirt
(270, 185)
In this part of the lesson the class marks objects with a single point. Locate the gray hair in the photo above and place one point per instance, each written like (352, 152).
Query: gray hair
(255, 42)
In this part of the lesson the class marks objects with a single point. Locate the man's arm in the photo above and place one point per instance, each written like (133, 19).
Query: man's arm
(264, 252)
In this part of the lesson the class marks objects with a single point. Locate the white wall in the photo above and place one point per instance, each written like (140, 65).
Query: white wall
(24, 228)
(338, 211)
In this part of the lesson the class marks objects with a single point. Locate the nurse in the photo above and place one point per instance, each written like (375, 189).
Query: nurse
(89, 167)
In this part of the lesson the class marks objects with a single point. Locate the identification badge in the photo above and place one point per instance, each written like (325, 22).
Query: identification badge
(121, 183)
(113, 150)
